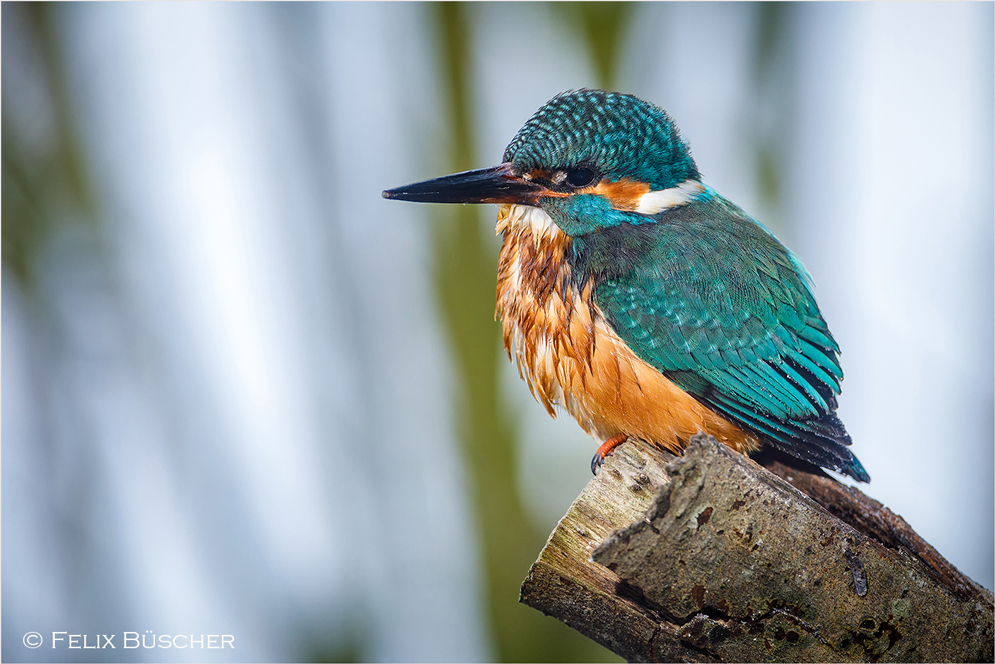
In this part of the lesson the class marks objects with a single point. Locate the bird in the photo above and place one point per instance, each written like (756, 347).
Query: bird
(640, 300)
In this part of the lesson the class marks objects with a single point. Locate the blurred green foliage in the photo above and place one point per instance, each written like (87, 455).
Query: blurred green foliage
(771, 144)
(603, 26)
(44, 184)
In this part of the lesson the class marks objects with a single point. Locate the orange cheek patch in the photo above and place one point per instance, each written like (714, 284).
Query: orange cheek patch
(624, 194)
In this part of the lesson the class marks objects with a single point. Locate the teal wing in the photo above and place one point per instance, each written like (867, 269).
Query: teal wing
(711, 299)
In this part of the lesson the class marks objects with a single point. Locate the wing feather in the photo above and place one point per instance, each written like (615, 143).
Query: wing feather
(710, 298)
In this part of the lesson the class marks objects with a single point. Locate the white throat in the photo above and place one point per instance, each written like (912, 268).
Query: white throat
(515, 217)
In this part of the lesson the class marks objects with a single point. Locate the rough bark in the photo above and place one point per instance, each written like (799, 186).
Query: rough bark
(711, 557)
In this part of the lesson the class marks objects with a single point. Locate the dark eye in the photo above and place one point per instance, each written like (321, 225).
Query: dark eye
(580, 177)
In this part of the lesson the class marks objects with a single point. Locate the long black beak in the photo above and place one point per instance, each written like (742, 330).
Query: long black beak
(486, 185)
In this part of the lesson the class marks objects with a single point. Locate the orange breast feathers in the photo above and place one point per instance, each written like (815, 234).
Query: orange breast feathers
(570, 357)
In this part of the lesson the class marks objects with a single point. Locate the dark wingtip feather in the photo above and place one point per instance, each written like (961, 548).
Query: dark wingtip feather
(855, 470)
(823, 441)
(820, 441)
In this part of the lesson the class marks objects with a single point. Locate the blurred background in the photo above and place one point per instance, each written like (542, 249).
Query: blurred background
(244, 395)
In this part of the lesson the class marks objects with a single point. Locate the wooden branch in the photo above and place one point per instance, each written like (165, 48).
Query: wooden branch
(711, 557)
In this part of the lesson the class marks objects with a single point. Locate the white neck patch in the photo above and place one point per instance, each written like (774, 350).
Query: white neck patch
(653, 202)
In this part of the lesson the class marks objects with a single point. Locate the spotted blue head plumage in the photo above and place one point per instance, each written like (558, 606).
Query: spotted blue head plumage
(616, 134)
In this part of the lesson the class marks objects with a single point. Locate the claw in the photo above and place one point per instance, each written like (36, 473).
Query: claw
(606, 448)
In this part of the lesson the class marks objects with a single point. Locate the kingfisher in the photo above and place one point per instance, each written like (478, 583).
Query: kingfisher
(643, 302)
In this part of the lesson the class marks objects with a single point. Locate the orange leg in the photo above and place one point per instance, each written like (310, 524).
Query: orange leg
(606, 449)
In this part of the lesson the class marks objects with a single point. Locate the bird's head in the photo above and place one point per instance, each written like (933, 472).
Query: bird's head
(590, 159)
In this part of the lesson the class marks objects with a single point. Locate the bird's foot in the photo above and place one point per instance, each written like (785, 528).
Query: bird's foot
(606, 448)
